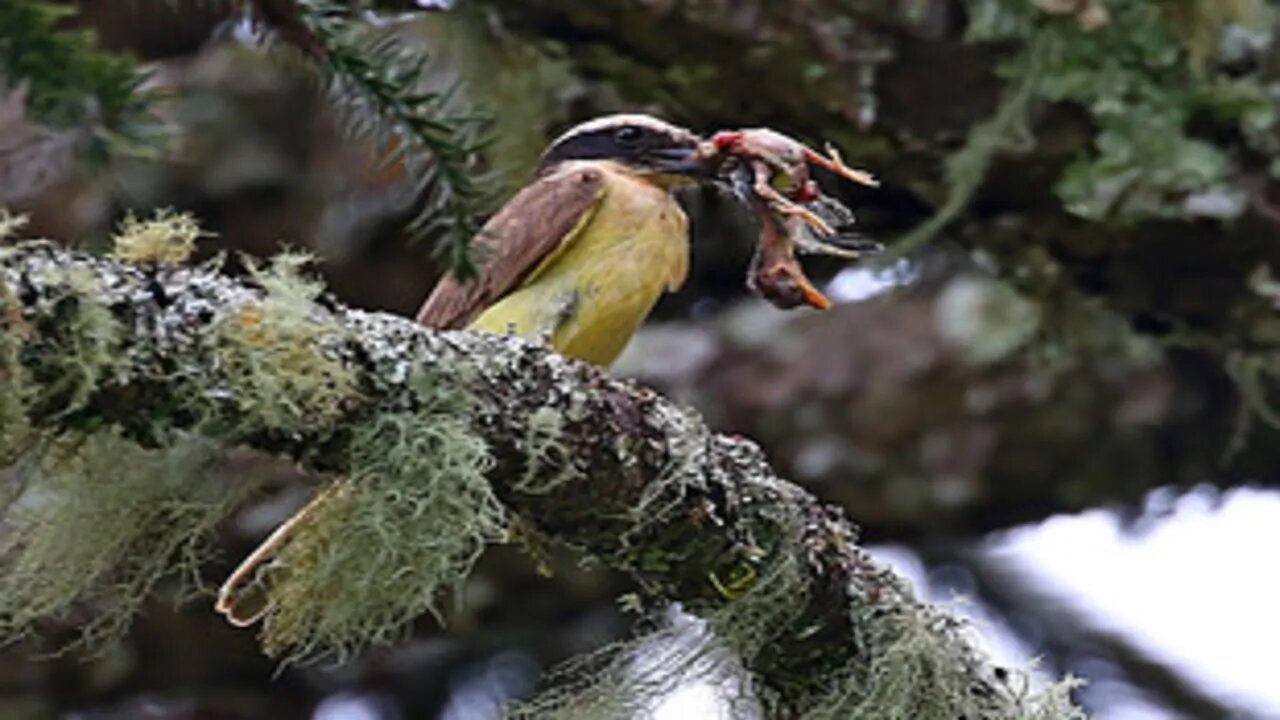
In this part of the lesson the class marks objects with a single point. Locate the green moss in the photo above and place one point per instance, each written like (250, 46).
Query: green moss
(1141, 71)
(99, 521)
(390, 543)
(276, 370)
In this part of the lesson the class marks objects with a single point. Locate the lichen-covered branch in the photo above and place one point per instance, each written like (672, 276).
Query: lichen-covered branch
(410, 421)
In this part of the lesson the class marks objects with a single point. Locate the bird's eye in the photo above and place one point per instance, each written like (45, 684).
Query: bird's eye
(627, 135)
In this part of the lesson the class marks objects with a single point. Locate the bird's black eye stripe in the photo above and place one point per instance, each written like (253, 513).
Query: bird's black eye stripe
(628, 135)
(627, 142)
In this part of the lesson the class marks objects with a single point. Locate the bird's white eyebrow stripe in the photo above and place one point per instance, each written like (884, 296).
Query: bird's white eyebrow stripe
(608, 121)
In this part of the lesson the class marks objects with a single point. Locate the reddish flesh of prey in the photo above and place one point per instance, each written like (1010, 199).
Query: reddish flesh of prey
(776, 274)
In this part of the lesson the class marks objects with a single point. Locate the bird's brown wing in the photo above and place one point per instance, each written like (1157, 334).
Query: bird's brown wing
(539, 220)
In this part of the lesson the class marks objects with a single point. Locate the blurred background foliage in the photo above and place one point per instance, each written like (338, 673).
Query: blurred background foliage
(1077, 308)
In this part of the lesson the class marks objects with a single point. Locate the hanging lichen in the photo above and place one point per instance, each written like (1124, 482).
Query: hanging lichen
(920, 666)
(391, 542)
(96, 522)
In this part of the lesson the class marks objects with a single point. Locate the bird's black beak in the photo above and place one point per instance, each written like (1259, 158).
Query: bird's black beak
(682, 160)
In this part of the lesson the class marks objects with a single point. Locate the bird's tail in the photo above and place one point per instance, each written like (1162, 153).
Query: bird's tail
(244, 597)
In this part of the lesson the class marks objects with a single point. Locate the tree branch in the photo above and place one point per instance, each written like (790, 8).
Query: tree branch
(611, 469)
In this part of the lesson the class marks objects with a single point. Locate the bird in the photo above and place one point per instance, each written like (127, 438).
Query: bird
(578, 257)
(582, 253)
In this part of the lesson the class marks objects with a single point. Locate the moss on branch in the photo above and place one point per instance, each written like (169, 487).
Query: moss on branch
(435, 438)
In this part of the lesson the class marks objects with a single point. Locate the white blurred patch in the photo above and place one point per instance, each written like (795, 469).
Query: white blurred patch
(1220, 204)
(984, 318)
(699, 700)
(864, 282)
(715, 691)
(350, 706)
(246, 31)
(483, 693)
(1197, 589)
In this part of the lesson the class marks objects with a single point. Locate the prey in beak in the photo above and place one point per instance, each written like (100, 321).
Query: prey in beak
(770, 173)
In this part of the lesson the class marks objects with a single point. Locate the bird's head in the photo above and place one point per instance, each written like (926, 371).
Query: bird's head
(640, 143)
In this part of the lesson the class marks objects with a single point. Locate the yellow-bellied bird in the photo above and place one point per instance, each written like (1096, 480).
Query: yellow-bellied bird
(580, 255)
(583, 252)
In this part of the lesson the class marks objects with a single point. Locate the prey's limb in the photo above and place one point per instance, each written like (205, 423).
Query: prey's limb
(783, 205)
(833, 162)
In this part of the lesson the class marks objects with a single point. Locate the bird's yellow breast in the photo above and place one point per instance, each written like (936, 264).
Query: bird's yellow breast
(590, 296)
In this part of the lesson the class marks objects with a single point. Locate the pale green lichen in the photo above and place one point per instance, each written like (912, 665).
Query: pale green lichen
(688, 445)
(921, 665)
(913, 663)
(393, 542)
(83, 351)
(276, 370)
(99, 521)
(604, 685)
(628, 679)
(548, 463)
(10, 224)
(168, 238)
(765, 581)
(761, 583)
(96, 522)
(16, 390)
(763, 592)
(907, 661)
